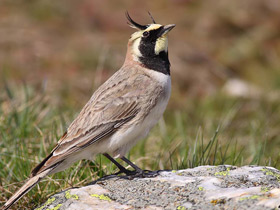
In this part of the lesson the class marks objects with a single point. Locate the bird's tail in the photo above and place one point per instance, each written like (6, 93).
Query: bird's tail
(25, 189)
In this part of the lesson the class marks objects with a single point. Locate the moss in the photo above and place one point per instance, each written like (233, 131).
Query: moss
(49, 201)
(101, 197)
(223, 173)
(271, 173)
(218, 201)
(253, 197)
(200, 188)
(56, 207)
(175, 171)
(68, 195)
(265, 189)
(181, 208)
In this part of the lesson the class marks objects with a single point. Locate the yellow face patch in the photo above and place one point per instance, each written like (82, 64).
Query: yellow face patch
(161, 42)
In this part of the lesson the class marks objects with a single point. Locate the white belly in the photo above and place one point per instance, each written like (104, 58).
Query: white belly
(121, 142)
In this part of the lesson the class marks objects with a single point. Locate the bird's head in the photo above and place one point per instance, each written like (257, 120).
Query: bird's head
(149, 44)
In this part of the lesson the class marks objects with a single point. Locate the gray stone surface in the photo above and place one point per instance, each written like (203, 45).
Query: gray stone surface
(204, 187)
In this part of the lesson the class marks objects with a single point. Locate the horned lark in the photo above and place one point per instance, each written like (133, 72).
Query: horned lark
(120, 112)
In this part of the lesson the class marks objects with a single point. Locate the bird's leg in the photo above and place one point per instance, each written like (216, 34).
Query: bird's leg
(138, 171)
(121, 168)
(136, 168)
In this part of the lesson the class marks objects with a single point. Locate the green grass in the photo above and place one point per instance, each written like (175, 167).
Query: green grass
(211, 131)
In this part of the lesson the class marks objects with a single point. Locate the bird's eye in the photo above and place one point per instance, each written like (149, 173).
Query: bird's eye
(146, 33)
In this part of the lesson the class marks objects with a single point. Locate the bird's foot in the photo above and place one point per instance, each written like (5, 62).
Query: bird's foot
(140, 174)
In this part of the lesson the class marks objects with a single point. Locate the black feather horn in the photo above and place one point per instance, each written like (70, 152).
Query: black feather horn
(152, 17)
(133, 24)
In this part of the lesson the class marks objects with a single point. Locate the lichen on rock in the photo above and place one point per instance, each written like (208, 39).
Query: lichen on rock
(204, 187)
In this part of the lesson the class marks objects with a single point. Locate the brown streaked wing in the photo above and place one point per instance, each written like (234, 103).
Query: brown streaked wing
(102, 117)
(120, 114)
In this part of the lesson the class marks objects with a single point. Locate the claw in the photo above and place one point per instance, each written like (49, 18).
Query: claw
(141, 174)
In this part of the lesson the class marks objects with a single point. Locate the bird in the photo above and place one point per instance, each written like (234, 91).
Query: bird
(120, 112)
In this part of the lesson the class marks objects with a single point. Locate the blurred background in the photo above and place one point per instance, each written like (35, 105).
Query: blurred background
(76, 45)
(225, 69)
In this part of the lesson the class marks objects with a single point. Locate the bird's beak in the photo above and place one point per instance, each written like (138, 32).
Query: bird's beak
(166, 29)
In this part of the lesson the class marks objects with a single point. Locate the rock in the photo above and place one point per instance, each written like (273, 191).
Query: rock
(204, 187)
